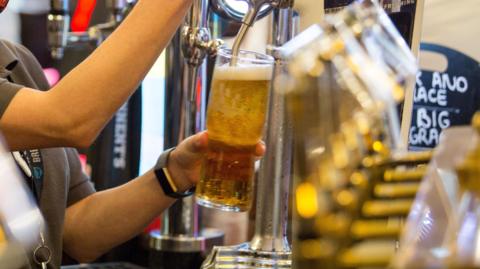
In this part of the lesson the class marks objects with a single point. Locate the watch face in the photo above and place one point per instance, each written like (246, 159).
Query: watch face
(3, 5)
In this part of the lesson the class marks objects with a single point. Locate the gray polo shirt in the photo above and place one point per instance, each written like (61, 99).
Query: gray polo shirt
(64, 182)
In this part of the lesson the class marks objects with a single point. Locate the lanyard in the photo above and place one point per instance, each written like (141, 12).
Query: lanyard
(31, 164)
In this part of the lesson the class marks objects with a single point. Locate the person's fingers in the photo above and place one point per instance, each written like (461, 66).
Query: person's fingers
(191, 150)
(202, 142)
(260, 149)
(195, 144)
(184, 161)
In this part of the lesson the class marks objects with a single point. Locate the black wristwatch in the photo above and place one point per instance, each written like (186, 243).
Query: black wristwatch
(165, 180)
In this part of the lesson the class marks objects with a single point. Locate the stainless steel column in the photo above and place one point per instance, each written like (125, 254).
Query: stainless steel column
(181, 240)
(180, 122)
(275, 173)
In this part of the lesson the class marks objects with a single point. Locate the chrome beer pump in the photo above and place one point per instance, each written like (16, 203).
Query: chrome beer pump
(353, 189)
(58, 25)
(180, 232)
(269, 247)
(181, 242)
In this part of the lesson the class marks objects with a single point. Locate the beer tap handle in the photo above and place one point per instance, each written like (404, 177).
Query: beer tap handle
(213, 45)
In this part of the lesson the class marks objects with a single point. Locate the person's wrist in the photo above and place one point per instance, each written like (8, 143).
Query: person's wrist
(178, 175)
(169, 175)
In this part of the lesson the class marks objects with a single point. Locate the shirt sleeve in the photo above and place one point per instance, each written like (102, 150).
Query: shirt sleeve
(8, 90)
(80, 185)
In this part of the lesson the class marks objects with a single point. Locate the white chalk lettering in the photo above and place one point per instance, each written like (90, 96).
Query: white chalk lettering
(432, 96)
(462, 84)
(432, 119)
(422, 136)
(446, 82)
(441, 97)
(454, 83)
(420, 95)
(443, 119)
(437, 80)
(423, 120)
(419, 79)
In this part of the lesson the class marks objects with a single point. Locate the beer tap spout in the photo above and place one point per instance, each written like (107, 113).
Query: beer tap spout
(247, 23)
(255, 8)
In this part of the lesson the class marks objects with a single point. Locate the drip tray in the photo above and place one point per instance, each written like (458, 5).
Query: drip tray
(243, 257)
(118, 265)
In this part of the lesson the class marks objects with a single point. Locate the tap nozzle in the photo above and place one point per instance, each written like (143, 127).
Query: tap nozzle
(254, 8)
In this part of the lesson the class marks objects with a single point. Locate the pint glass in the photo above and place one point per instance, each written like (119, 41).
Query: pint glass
(235, 120)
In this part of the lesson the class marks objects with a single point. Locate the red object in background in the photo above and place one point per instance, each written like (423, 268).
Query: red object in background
(155, 225)
(82, 15)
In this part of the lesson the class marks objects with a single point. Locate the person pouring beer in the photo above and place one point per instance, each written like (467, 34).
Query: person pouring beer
(41, 124)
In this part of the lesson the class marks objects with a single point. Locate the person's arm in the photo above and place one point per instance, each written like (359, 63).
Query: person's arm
(105, 219)
(74, 111)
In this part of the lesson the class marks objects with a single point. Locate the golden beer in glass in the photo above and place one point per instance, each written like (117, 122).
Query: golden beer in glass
(235, 120)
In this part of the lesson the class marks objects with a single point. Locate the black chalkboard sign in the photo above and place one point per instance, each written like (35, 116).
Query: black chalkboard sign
(444, 99)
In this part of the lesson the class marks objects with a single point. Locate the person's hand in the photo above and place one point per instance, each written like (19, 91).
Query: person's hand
(185, 160)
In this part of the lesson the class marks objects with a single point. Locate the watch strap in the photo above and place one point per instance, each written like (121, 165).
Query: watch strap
(165, 180)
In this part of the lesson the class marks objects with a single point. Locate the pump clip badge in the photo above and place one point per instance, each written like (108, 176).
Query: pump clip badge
(3, 5)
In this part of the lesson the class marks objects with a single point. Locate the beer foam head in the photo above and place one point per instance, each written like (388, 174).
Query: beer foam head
(243, 72)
